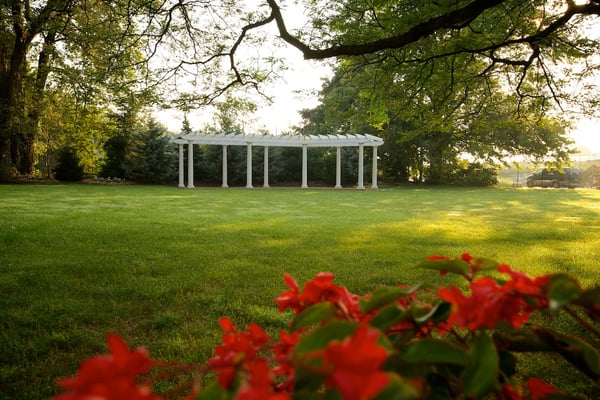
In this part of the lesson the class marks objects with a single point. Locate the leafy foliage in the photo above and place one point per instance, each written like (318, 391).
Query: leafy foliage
(429, 127)
(69, 168)
(444, 343)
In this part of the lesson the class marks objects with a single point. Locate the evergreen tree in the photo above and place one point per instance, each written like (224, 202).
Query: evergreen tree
(116, 154)
(69, 168)
(152, 157)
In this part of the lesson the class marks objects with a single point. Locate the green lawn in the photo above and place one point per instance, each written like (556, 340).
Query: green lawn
(159, 265)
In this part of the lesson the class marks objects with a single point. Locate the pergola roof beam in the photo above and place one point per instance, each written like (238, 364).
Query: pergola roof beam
(280, 140)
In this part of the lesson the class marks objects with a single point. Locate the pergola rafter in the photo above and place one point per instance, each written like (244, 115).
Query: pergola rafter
(266, 141)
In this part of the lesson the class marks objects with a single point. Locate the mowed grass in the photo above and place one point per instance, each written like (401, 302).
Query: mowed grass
(159, 265)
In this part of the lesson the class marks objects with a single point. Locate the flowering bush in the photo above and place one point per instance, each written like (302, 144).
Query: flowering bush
(418, 342)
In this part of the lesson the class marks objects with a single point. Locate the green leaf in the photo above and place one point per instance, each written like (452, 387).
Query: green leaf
(314, 314)
(562, 290)
(322, 336)
(316, 394)
(433, 351)
(590, 300)
(589, 297)
(384, 296)
(459, 267)
(484, 264)
(482, 370)
(388, 317)
(214, 391)
(437, 313)
(400, 389)
(577, 351)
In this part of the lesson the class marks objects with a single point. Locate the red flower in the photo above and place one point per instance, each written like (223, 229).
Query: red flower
(284, 357)
(511, 393)
(538, 388)
(290, 299)
(320, 289)
(354, 364)
(111, 376)
(436, 257)
(260, 384)
(491, 303)
(532, 289)
(238, 349)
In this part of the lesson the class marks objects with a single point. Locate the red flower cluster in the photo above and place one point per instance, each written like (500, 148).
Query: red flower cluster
(491, 302)
(111, 377)
(344, 349)
(283, 351)
(537, 388)
(354, 365)
(317, 291)
(260, 384)
(239, 349)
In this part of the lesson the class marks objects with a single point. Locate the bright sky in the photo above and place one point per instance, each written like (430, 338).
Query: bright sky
(587, 136)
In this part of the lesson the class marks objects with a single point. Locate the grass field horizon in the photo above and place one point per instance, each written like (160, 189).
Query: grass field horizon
(159, 265)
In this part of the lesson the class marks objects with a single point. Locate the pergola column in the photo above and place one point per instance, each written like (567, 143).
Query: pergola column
(181, 181)
(361, 152)
(190, 164)
(304, 166)
(266, 168)
(224, 168)
(374, 172)
(338, 168)
(249, 165)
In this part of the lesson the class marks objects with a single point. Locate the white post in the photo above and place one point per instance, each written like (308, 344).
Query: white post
(224, 167)
(304, 166)
(374, 172)
(249, 166)
(338, 168)
(190, 164)
(181, 182)
(266, 168)
(361, 152)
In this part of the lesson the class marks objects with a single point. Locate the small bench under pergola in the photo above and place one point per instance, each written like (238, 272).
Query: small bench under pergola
(266, 141)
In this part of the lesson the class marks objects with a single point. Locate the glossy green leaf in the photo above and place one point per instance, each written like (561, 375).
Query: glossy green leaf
(433, 351)
(314, 314)
(454, 266)
(384, 296)
(322, 336)
(562, 290)
(388, 317)
(482, 369)
(436, 313)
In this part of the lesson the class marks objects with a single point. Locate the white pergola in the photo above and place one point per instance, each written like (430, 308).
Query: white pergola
(266, 141)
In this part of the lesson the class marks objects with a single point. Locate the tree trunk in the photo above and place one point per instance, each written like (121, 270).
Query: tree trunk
(24, 30)
(28, 132)
(8, 102)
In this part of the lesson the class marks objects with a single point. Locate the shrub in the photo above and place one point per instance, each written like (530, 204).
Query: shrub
(476, 174)
(403, 342)
(69, 168)
(116, 155)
